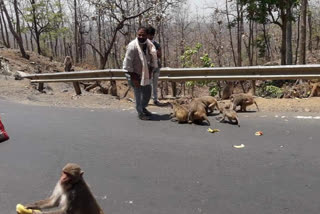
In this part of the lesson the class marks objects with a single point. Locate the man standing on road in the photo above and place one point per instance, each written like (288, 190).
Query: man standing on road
(151, 32)
(140, 61)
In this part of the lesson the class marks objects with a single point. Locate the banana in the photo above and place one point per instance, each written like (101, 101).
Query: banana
(239, 146)
(22, 210)
(213, 130)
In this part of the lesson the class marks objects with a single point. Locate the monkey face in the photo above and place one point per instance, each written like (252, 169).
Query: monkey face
(65, 178)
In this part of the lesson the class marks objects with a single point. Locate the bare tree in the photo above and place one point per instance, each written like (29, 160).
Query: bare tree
(303, 33)
(16, 34)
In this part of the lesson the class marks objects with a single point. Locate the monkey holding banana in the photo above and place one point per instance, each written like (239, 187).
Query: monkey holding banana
(70, 196)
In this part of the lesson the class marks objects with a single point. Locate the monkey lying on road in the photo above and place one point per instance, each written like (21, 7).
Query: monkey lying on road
(242, 100)
(180, 113)
(197, 112)
(71, 195)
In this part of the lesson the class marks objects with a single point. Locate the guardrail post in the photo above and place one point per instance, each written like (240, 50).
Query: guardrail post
(77, 88)
(41, 84)
(68, 67)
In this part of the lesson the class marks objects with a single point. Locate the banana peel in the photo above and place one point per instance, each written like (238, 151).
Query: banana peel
(213, 130)
(23, 210)
(259, 133)
(239, 146)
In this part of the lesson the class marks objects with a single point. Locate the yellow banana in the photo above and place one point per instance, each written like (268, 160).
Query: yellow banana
(23, 210)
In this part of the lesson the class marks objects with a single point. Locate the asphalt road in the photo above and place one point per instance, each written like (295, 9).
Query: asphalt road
(161, 167)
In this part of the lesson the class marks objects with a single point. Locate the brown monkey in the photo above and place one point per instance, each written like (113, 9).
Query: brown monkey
(180, 113)
(67, 63)
(197, 112)
(227, 90)
(210, 102)
(71, 195)
(315, 91)
(242, 100)
(231, 114)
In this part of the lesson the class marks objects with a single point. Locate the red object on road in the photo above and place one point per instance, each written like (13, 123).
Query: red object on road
(3, 134)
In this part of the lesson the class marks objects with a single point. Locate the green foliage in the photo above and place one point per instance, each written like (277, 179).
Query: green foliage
(190, 59)
(261, 44)
(47, 17)
(261, 10)
(188, 56)
(190, 84)
(269, 90)
(206, 61)
(213, 91)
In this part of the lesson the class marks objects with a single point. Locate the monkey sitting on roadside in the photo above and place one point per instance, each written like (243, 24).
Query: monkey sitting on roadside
(227, 90)
(315, 91)
(210, 102)
(197, 112)
(67, 64)
(180, 113)
(231, 114)
(243, 100)
(71, 195)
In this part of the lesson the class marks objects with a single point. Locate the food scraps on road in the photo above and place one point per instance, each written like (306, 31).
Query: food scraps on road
(213, 130)
(239, 146)
(23, 210)
(259, 133)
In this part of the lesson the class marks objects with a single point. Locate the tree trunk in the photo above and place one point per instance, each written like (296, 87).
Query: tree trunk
(289, 38)
(310, 30)
(76, 31)
(2, 33)
(31, 41)
(230, 35)
(5, 28)
(303, 32)
(15, 34)
(283, 40)
(267, 41)
(298, 41)
(239, 32)
(35, 26)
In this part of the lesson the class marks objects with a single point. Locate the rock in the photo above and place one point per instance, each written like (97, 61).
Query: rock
(307, 110)
(17, 76)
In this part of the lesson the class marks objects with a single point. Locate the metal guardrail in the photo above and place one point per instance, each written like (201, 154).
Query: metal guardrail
(311, 71)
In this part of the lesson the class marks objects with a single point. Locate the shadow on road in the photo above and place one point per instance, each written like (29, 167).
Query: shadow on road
(159, 117)
(246, 112)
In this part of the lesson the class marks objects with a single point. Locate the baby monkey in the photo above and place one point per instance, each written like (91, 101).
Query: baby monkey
(180, 113)
(228, 112)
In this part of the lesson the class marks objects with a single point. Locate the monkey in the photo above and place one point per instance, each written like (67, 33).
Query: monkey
(197, 112)
(210, 102)
(180, 113)
(227, 90)
(71, 195)
(67, 64)
(315, 91)
(242, 100)
(231, 114)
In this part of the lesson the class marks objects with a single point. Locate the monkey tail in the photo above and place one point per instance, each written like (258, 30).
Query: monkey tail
(256, 105)
(238, 121)
(126, 93)
(206, 119)
(190, 117)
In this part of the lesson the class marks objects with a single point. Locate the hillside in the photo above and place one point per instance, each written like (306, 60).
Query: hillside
(62, 94)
